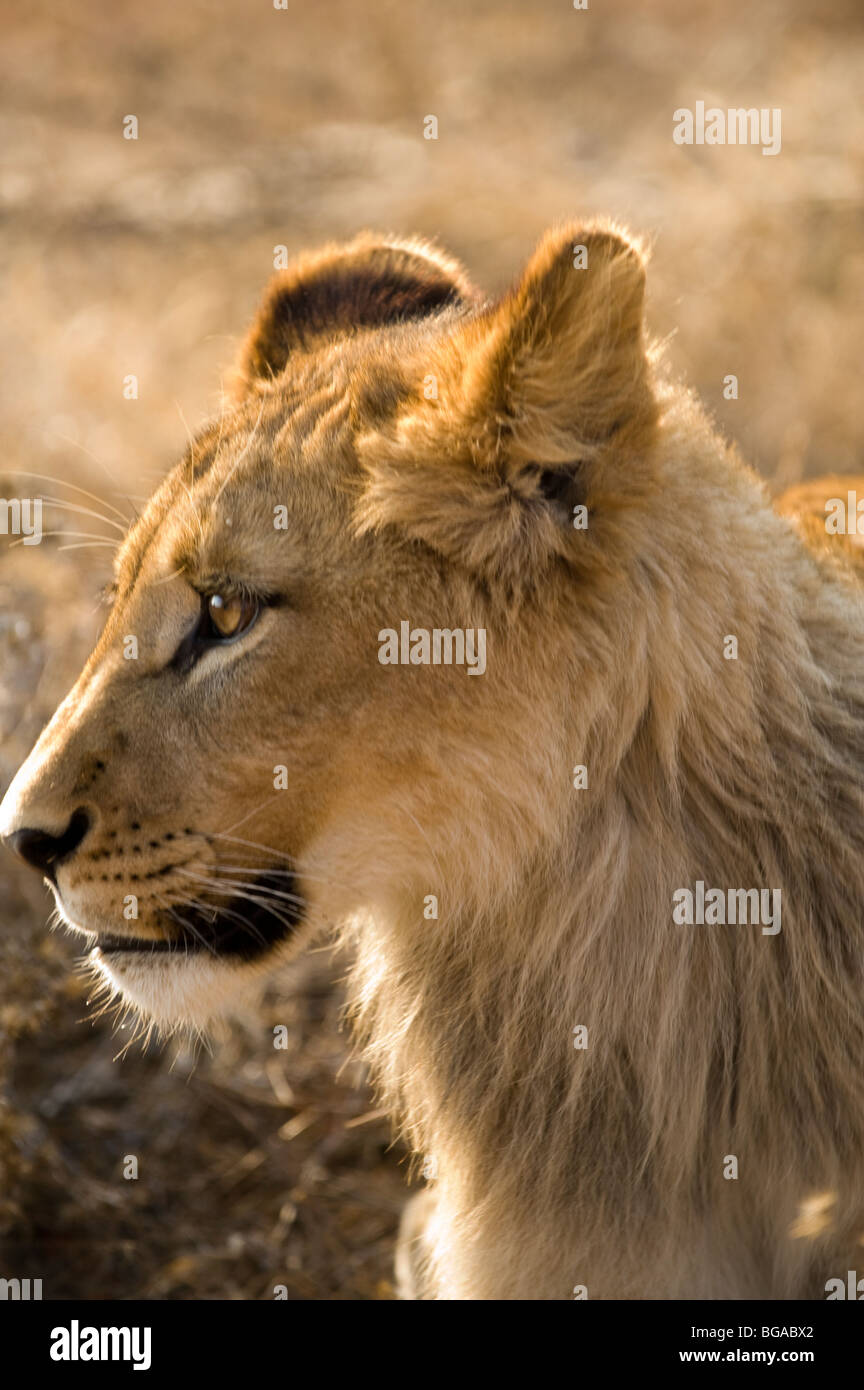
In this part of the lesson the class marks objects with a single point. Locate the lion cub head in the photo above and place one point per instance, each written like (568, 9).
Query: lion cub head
(401, 469)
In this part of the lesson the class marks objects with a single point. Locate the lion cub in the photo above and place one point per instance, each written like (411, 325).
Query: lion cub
(607, 1096)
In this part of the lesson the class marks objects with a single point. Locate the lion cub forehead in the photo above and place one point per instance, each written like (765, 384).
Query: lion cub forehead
(256, 516)
(281, 460)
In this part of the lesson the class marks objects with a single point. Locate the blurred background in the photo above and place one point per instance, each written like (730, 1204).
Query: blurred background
(261, 127)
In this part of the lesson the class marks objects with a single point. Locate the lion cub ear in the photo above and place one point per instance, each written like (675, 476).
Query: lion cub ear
(541, 399)
(365, 283)
(559, 365)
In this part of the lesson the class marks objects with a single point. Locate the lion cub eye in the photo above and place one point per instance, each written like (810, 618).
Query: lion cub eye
(229, 617)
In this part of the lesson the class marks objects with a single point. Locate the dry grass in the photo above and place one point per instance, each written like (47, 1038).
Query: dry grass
(260, 127)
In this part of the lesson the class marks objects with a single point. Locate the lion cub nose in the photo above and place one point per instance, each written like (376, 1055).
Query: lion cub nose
(44, 851)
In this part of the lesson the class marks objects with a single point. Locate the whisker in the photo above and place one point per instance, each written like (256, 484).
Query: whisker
(62, 482)
(254, 812)
(87, 545)
(191, 439)
(90, 535)
(257, 898)
(91, 540)
(240, 457)
(258, 894)
(253, 844)
(188, 492)
(192, 929)
(166, 579)
(257, 870)
(247, 926)
(305, 867)
(101, 462)
(84, 511)
(248, 868)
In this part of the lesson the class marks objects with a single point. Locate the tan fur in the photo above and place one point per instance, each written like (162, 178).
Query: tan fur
(807, 505)
(556, 1167)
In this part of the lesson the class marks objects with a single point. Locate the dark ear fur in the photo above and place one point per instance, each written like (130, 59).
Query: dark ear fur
(365, 283)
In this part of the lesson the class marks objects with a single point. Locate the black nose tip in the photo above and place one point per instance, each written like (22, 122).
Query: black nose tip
(43, 851)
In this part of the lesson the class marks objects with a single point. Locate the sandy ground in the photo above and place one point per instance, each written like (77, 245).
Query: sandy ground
(257, 128)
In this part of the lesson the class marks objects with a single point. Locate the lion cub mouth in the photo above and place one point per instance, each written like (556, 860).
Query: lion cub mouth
(249, 925)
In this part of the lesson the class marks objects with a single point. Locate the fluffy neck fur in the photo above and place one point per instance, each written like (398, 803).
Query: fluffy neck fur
(559, 1167)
